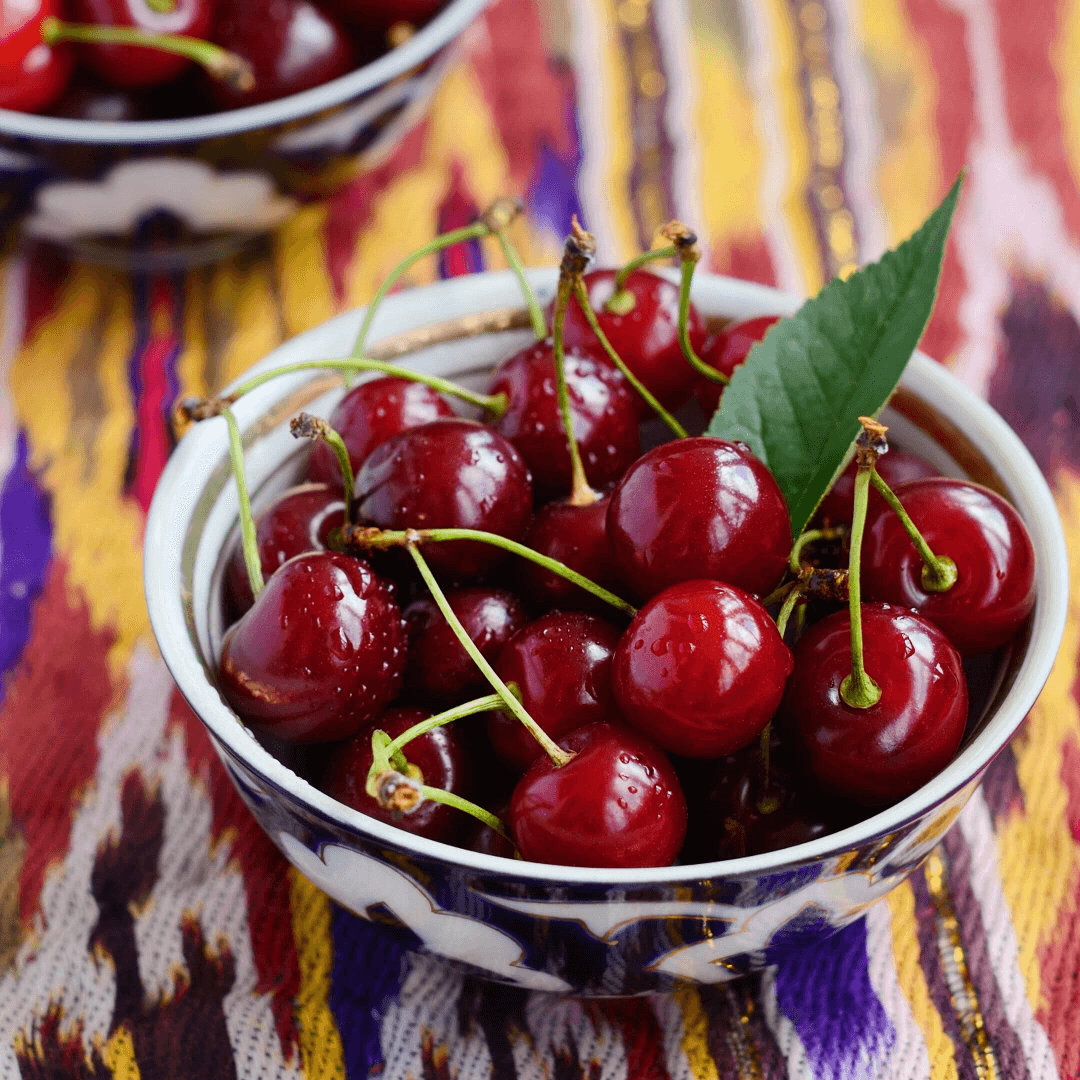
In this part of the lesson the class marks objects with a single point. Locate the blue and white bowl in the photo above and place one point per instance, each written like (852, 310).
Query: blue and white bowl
(559, 928)
(159, 194)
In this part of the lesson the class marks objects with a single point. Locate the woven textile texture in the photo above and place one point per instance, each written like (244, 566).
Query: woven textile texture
(149, 929)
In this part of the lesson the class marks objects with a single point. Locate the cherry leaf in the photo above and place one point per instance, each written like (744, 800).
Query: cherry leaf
(797, 399)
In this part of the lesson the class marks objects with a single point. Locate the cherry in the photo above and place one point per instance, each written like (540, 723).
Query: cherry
(561, 666)
(699, 508)
(371, 413)
(576, 536)
(448, 474)
(616, 803)
(602, 404)
(646, 335)
(881, 753)
(726, 352)
(439, 668)
(379, 15)
(482, 838)
(701, 669)
(895, 467)
(319, 654)
(291, 44)
(300, 520)
(32, 74)
(994, 590)
(132, 67)
(438, 755)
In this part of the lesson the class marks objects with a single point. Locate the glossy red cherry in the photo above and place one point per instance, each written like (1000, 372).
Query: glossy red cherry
(576, 536)
(32, 74)
(300, 520)
(701, 669)
(438, 755)
(292, 46)
(882, 753)
(601, 402)
(995, 585)
(131, 67)
(896, 467)
(448, 474)
(321, 652)
(617, 803)
(371, 413)
(439, 668)
(561, 665)
(699, 508)
(646, 337)
(726, 352)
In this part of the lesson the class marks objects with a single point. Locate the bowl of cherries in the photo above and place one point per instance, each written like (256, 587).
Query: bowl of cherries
(632, 634)
(157, 133)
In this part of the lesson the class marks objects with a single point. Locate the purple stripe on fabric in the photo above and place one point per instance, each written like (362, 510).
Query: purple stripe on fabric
(25, 549)
(825, 991)
(552, 197)
(739, 1039)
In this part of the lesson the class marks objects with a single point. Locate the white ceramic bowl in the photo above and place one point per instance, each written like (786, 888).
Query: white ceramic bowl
(552, 927)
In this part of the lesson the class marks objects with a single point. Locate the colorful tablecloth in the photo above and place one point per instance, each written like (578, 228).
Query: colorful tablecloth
(149, 929)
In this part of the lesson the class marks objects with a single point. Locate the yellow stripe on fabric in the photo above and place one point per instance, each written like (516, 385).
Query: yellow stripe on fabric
(320, 1042)
(912, 982)
(909, 165)
(119, 1055)
(70, 388)
(784, 85)
(1037, 854)
(1063, 55)
(307, 293)
(695, 1040)
(245, 294)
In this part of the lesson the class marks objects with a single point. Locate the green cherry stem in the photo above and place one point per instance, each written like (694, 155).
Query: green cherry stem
(364, 537)
(248, 542)
(581, 294)
(306, 426)
(938, 571)
(513, 260)
(809, 536)
(686, 245)
(441, 795)
(636, 263)
(559, 757)
(794, 597)
(469, 708)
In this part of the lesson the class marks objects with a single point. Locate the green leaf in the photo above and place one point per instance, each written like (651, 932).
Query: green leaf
(797, 398)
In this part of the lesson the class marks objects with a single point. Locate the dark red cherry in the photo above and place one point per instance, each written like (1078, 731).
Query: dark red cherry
(321, 652)
(701, 669)
(377, 16)
(448, 474)
(879, 754)
(699, 508)
(439, 668)
(576, 536)
(292, 45)
(616, 803)
(995, 585)
(485, 840)
(131, 67)
(601, 402)
(371, 413)
(896, 467)
(646, 337)
(438, 755)
(726, 352)
(32, 74)
(300, 520)
(561, 665)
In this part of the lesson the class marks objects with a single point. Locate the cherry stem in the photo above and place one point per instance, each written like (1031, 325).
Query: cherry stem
(938, 571)
(448, 798)
(366, 537)
(222, 65)
(306, 426)
(492, 404)
(794, 597)
(616, 304)
(248, 542)
(513, 260)
(809, 536)
(458, 712)
(858, 690)
(581, 294)
(559, 757)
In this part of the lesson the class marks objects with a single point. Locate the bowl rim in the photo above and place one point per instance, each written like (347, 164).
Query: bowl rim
(431, 37)
(195, 455)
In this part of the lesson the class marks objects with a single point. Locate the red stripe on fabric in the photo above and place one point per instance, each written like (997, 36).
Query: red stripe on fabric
(954, 118)
(56, 700)
(266, 883)
(641, 1036)
(746, 257)
(1070, 777)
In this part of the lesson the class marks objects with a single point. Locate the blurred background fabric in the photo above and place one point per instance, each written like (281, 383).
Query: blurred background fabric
(149, 929)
